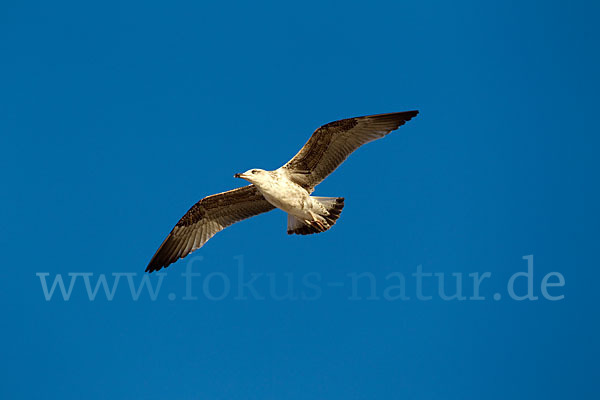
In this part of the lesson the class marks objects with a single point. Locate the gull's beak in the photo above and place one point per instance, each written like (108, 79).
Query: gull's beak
(238, 175)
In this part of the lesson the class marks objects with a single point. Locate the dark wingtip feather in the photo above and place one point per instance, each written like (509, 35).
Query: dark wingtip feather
(155, 265)
(158, 260)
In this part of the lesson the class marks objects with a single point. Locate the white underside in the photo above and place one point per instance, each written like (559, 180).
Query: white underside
(291, 198)
(295, 201)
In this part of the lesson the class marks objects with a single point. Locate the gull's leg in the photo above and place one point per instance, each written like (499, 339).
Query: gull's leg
(316, 222)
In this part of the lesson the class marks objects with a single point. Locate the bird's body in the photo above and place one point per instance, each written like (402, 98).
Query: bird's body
(283, 193)
(288, 188)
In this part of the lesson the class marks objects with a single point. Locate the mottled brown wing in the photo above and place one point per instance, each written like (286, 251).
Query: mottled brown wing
(331, 144)
(207, 217)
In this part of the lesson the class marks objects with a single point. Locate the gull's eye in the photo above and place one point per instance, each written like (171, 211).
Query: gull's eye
(254, 171)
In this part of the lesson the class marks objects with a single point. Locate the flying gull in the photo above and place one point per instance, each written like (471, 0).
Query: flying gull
(288, 188)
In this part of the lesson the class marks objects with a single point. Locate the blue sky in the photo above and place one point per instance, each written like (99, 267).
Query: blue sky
(117, 116)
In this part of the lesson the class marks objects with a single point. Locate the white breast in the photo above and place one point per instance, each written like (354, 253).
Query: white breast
(285, 194)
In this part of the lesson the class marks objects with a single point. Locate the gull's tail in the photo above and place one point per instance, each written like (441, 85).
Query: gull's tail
(333, 205)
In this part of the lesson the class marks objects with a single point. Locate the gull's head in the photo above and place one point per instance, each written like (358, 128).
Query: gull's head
(254, 175)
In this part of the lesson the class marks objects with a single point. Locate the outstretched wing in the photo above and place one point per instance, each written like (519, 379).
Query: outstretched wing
(331, 144)
(207, 217)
